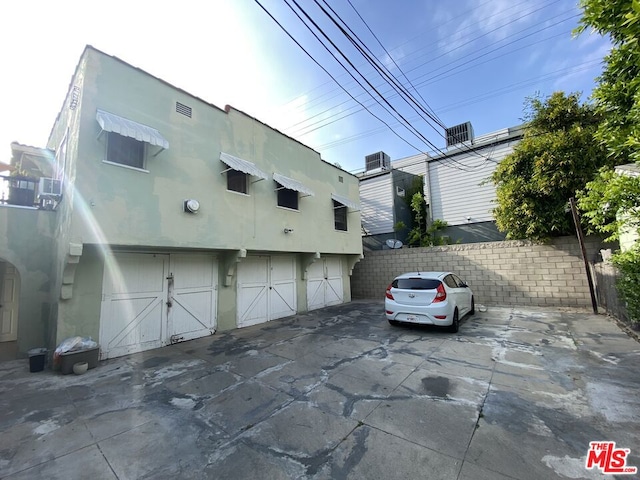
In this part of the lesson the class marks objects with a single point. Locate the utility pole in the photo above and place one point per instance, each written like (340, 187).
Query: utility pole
(576, 221)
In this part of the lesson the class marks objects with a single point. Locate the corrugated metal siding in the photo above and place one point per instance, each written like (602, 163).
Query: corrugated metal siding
(376, 204)
(457, 194)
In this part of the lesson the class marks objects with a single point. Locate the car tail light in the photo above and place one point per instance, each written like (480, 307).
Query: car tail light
(388, 293)
(441, 294)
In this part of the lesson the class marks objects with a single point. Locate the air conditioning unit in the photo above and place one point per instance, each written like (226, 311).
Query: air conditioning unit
(49, 187)
(458, 134)
(377, 160)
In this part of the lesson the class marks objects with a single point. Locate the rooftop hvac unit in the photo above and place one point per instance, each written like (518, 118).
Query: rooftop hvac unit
(377, 160)
(457, 134)
(49, 187)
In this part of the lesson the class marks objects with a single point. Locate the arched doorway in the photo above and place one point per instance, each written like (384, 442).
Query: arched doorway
(9, 300)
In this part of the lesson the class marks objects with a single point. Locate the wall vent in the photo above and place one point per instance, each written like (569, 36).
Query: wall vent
(377, 160)
(457, 134)
(183, 109)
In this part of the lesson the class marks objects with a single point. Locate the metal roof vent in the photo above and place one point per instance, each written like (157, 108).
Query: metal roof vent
(458, 134)
(377, 160)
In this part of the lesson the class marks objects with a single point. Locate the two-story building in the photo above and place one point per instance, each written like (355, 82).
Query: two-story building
(167, 218)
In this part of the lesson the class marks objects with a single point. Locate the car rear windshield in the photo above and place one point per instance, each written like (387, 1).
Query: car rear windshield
(416, 283)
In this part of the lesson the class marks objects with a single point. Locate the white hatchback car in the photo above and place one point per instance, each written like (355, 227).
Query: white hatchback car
(428, 298)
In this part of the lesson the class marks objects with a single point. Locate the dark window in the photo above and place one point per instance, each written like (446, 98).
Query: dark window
(125, 150)
(340, 216)
(459, 282)
(450, 281)
(416, 283)
(237, 181)
(287, 198)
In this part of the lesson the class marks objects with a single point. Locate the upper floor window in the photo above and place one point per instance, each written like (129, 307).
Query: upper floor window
(240, 172)
(129, 142)
(341, 206)
(237, 181)
(125, 150)
(287, 198)
(340, 216)
(289, 191)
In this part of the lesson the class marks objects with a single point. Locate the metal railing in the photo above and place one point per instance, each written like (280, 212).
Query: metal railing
(16, 190)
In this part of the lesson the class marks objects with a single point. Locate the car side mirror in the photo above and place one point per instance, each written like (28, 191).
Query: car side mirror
(464, 285)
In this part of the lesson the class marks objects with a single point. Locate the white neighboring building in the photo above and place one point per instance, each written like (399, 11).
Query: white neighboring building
(628, 235)
(383, 201)
(457, 187)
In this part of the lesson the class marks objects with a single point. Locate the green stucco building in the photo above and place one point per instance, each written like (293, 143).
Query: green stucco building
(163, 218)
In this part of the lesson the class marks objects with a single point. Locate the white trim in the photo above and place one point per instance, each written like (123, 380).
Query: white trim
(115, 164)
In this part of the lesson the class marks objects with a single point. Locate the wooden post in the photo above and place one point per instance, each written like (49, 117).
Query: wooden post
(576, 221)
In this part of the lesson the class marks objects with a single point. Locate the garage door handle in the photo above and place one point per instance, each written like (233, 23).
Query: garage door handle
(270, 288)
(169, 303)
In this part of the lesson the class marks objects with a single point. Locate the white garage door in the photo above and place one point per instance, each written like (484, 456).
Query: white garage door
(266, 289)
(152, 300)
(324, 283)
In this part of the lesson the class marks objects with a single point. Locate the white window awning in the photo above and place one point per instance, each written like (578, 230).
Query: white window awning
(241, 165)
(110, 122)
(292, 184)
(345, 201)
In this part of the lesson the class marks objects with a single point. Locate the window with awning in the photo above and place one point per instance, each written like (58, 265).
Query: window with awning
(239, 172)
(112, 123)
(127, 140)
(289, 191)
(345, 202)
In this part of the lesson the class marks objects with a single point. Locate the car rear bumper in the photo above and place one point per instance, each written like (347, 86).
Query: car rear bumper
(419, 314)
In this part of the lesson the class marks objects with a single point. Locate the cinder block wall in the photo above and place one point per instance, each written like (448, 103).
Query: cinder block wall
(500, 273)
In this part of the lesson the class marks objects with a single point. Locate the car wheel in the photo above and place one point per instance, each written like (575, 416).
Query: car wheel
(395, 323)
(473, 306)
(455, 323)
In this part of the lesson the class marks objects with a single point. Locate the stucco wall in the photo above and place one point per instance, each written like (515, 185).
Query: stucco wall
(26, 241)
(116, 205)
(500, 273)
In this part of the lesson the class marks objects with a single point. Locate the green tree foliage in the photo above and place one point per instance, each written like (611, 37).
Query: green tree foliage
(617, 96)
(610, 202)
(629, 265)
(611, 199)
(422, 235)
(556, 158)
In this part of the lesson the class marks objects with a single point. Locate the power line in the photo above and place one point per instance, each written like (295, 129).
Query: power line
(328, 73)
(442, 75)
(405, 123)
(474, 39)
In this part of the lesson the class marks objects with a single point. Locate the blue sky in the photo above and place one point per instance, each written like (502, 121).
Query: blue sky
(469, 60)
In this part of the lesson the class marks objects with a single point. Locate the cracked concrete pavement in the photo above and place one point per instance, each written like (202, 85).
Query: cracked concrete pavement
(337, 393)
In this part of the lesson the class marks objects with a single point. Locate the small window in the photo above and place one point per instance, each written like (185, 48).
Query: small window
(237, 181)
(125, 150)
(287, 198)
(340, 216)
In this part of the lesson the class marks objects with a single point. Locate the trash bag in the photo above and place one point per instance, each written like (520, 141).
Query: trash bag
(72, 344)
